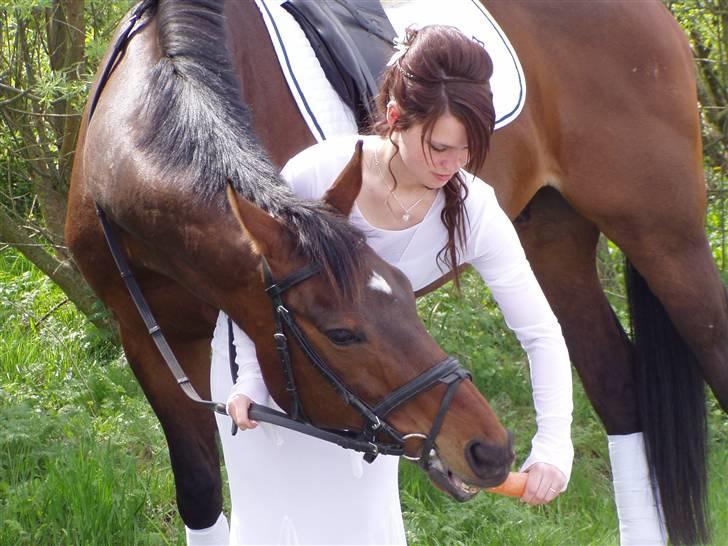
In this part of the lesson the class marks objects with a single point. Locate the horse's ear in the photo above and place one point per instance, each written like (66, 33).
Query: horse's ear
(343, 192)
(264, 231)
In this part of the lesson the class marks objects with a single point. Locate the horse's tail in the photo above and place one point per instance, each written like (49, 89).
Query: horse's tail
(671, 400)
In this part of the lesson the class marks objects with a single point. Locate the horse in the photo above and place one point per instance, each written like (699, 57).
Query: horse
(204, 222)
(607, 143)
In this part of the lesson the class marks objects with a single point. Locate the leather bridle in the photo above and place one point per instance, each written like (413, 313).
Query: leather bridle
(448, 372)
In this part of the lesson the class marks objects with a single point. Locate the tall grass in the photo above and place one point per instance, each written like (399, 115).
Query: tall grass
(83, 459)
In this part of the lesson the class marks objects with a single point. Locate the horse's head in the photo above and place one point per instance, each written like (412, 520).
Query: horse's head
(361, 320)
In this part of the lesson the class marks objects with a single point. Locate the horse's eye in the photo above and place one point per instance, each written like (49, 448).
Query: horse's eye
(342, 337)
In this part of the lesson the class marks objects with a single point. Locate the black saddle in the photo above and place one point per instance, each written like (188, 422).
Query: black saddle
(353, 40)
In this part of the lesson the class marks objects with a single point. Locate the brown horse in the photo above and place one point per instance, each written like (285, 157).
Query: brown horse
(608, 142)
(168, 132)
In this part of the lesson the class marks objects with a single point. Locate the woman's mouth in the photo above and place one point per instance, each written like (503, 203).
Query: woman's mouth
(442, 177)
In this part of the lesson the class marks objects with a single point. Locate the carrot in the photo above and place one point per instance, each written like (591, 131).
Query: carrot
(514, 486)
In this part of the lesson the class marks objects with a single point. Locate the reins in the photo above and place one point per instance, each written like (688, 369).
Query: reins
(148, 317)
(448, 372)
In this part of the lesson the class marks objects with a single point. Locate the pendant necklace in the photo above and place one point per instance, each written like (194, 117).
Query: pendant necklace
(406, 210)
(406, 214)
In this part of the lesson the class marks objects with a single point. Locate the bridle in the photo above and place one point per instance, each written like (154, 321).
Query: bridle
(448, 372)
(366, 441)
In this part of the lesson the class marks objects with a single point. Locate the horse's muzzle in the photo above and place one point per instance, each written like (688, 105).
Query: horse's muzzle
(490, 462)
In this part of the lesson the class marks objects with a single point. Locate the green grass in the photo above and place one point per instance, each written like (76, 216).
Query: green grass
(83, 459)
(471, 328)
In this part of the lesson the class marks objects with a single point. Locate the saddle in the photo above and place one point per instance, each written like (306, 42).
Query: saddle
(353, 40)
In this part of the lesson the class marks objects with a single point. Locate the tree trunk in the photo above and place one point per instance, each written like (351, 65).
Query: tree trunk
(61, 272)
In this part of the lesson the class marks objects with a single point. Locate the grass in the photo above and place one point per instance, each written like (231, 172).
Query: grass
(83, 459)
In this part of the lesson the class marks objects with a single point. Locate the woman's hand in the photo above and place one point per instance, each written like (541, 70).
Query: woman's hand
(544, 484)
(237, 408)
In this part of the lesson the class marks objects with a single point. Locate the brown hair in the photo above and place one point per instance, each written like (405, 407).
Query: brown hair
(441, 71)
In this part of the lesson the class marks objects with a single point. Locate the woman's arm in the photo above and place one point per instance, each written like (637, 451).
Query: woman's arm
(249, 386)
(496, 253)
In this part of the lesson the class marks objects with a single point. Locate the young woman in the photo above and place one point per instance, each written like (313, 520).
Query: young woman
(422, 212)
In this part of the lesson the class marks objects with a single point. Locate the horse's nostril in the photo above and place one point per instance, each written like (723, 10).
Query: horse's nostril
(488, 459)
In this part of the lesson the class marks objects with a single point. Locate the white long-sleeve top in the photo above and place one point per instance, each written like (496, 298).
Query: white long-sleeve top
(492, 248)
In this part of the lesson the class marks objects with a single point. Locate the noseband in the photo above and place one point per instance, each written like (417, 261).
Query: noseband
(448, 372)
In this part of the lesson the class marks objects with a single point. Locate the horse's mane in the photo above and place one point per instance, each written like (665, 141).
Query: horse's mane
(198, 131)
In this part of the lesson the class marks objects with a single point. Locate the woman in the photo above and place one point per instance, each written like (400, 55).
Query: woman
(424, 214)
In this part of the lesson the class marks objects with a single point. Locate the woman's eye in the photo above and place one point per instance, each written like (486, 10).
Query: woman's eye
(342, 337)
(438, 149)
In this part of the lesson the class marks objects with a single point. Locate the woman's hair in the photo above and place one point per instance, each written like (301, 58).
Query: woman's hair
(441, 71)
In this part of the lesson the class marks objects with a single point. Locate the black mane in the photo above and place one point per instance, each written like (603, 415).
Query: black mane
(198, 131)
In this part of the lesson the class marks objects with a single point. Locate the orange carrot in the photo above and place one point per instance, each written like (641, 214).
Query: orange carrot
(514, 486)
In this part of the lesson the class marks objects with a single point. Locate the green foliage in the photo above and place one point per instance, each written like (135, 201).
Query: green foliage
(585, 514)
(82, 458)
(473, 323)
(25, 9)
(716, 220)
(42, 99)
(706, 23)
(104, 17)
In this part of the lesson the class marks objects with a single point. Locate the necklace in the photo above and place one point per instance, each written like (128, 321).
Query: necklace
(405, 210)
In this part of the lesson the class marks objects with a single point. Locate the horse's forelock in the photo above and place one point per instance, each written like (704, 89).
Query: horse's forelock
(328, 239)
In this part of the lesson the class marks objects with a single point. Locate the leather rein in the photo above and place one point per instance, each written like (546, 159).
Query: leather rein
(448, 372)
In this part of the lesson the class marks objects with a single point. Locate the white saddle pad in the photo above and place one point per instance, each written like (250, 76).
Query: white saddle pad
(328, 116)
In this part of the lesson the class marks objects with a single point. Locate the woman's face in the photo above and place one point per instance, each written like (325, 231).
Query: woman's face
(443, 153)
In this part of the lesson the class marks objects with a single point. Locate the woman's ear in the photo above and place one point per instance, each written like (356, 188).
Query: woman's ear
(392, 113)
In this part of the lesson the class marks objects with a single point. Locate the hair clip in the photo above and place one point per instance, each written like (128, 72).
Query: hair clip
(407, 74)
(400, 48)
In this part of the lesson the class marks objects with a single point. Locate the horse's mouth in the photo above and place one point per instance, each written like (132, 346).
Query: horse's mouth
(446, 480)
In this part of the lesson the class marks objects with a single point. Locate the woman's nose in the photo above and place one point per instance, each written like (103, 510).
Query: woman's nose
(455, 160)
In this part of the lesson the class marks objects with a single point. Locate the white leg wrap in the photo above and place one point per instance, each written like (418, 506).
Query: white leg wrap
(217, 535)
(640, 521)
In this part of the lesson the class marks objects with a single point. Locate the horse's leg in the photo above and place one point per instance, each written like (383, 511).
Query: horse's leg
(679, 269)
(190, 430)
(680, 318)
(647, 194)
(561, 247)
(672, 255)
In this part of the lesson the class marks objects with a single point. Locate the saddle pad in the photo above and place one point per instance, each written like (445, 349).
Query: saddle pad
(326, 114)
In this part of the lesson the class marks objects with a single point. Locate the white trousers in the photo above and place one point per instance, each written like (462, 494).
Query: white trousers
(287, 488)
